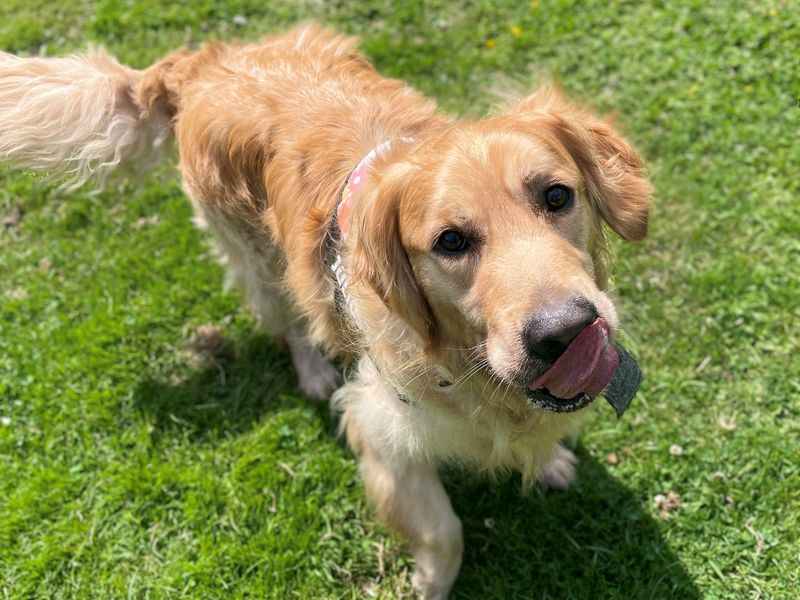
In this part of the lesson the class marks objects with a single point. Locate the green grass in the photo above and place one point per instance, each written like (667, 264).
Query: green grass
(129, 470)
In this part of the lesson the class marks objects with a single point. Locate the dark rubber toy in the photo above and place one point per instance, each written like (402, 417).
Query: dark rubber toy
(625, 382)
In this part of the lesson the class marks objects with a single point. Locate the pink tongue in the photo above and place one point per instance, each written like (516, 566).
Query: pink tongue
(586, 366)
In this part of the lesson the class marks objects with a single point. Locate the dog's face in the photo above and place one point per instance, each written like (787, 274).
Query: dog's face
(492, 236)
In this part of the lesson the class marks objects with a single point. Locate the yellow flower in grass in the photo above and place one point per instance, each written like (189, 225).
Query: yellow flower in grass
(491, 43)
(516, 31)
(534, 4)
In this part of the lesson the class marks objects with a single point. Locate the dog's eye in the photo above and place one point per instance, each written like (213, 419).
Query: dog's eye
(452, 242)
(558, 197)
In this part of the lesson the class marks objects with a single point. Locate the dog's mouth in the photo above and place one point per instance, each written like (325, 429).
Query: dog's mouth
(589, 366)
(544, 399)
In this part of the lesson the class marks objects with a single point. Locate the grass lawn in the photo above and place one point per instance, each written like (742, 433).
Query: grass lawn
(128, 468)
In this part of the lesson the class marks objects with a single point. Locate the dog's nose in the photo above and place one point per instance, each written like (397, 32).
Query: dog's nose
(551, 329)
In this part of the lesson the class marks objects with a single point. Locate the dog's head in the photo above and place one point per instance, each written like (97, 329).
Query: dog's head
(489, 237)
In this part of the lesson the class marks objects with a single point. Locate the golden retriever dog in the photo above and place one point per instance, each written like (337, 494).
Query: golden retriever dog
(459, 267)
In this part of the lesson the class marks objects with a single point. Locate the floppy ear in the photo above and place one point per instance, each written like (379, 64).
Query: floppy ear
(378, 257)
(615, 176)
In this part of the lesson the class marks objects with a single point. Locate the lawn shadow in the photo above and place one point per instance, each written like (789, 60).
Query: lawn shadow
(593, 541)
(228, 394)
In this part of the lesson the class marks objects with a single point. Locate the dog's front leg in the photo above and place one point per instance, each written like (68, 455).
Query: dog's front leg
(410, 498)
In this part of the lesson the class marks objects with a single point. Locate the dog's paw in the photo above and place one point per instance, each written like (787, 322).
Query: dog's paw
(316, 376)
(560, 472)
(319, 383)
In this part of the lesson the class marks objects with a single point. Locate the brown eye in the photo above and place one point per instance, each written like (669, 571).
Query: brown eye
(558, 197)
(452, 242)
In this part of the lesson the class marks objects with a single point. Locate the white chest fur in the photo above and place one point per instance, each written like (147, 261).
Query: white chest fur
(471, 422)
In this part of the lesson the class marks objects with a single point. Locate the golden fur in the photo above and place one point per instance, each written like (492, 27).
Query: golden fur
(267, 133)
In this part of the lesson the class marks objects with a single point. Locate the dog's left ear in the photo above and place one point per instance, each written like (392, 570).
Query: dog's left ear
(379, 259)
(615, 176)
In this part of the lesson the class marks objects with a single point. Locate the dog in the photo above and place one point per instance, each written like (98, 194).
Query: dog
(460, 268)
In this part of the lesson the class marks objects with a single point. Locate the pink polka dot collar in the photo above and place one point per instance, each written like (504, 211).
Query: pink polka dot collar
(355, 180)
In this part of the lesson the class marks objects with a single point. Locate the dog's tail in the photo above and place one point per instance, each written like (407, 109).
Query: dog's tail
(82, 116)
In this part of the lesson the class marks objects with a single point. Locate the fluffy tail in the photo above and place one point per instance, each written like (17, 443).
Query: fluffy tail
(81, 116)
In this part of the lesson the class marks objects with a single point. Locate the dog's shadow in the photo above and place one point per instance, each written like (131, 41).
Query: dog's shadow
(225, 395)
(593, 541)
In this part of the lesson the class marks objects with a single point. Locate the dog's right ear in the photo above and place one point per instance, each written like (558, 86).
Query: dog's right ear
(615, 174)
(378, 258)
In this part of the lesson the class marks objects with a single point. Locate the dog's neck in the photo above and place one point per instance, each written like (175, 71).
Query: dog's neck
(339, 228)
(337, 235)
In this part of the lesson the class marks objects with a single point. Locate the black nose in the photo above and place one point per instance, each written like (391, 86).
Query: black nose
(551, 329)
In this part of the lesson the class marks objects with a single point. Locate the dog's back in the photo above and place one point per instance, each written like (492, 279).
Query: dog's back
(86, 116)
